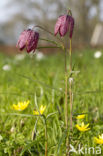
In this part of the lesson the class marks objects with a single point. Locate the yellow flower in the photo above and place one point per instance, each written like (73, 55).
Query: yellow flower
(99, 140)
(21, 105)
(82, 127)
(41, 110)
(81, 116)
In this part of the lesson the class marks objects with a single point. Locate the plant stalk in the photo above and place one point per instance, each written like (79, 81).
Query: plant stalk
(51, 41)
(47, 32)
(70, 84)
(46, 144)
(66, 102)
(48, 47)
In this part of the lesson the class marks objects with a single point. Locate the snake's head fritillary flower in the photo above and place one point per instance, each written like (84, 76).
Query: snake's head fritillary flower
(99, 140)
(28, 39)
(64, 24)
(81, 116)
(82, 127)
(21, 105)
(40, 111)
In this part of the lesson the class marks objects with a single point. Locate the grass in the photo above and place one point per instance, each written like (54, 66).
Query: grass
(42, 82)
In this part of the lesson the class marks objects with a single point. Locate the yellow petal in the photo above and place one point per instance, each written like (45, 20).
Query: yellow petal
(82, 124)
(80, 116)
(42, 109)
(86, 125)
(21, 105)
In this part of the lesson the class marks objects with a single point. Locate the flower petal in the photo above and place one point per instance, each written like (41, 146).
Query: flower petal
(65, 25)
(32, 41)
(71, 26)
(57, 25)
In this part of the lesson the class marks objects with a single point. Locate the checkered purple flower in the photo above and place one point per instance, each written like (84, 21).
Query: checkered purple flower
(64, 24)
(28, 39)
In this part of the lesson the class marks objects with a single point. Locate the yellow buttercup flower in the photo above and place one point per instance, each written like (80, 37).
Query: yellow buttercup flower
(99, 140)
(82, 127)
(41, 110)
(81, 116)
(21, 105)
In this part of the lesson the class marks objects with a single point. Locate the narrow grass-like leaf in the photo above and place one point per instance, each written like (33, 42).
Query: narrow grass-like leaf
(61, 141)
(49, 115)
(34, 131)
(17, 114)
(27, 147)
(36, 103)
(45, 85)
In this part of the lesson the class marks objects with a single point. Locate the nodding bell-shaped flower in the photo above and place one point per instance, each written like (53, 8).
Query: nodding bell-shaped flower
(28, 39)
(64, 24)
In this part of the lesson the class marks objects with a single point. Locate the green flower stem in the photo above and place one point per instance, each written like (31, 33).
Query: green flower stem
(46, 143)
(79, 140)
(51, 41)
(54, 42)
(46, 138)
(66, 101)
(70, 90)
(70, 84)
(48, 32)
(47, 47)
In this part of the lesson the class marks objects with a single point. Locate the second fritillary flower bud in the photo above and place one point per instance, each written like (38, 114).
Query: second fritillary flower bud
(64, 24)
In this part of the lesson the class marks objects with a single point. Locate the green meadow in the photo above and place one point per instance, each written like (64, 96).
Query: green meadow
(41, 80)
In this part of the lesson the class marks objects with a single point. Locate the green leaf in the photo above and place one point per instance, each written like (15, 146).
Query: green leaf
(49, 115)
(61, 140)
(27, 147)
